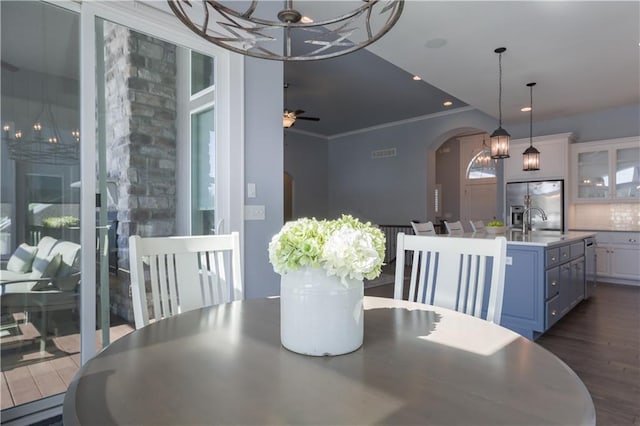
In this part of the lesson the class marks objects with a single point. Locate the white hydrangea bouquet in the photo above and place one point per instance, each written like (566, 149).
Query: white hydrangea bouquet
(345, 247)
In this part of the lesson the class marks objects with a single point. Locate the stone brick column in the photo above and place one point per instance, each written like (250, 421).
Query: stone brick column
(140, 92)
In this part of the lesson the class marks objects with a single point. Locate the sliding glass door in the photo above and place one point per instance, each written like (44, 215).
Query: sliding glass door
(107, 132)
(40, 201)
(155, 154)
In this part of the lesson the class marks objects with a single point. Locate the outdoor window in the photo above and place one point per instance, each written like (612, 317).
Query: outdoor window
(481, 166)
(201, 72)
(203, 168)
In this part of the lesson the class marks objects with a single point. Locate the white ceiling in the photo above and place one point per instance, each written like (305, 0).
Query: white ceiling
(584, 55)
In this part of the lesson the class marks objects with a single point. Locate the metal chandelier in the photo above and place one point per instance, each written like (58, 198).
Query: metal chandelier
(289, 35)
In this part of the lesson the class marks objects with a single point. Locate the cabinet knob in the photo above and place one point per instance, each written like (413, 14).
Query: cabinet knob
(553, 258)
(553, 283)
(553, 313)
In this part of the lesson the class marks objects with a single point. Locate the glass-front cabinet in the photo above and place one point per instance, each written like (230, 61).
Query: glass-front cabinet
(593, 174)
(627, 172)
(607, 171)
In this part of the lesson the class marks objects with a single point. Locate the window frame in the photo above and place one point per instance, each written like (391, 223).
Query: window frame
(484, 179)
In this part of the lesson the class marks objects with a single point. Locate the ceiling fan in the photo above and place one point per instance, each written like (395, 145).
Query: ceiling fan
(289, 117)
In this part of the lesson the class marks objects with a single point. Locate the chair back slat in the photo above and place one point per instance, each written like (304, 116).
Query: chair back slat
(454, 273)
(476, 282)
(466, 285)
(183, 273)
(186, 283)
(157, 295)
(446, 279)
(208, 278)
(424, 261)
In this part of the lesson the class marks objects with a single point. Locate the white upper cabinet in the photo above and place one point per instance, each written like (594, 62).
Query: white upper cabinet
(606, 171)
(554, 158)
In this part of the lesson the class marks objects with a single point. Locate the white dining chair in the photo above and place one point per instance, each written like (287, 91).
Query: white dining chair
(423, 228)
(477, 225)
(454, 273)
(183, 273)
(454, 228)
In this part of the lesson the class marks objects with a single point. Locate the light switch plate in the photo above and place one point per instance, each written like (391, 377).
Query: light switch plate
(251, 190)
(253, 212)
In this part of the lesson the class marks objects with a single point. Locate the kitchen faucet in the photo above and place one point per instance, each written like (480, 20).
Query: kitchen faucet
(526, 227)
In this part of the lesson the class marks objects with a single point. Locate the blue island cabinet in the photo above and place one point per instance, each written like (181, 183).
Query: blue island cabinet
(542, 284)
(523, 302)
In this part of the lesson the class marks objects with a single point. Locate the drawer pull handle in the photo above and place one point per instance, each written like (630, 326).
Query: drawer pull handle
(632, 240)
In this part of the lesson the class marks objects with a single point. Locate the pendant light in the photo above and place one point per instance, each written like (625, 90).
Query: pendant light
(500, 138)
(531, 156)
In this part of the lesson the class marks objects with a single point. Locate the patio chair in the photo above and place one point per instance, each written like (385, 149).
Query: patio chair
(464, 274)
(184, 273)
(43, 279)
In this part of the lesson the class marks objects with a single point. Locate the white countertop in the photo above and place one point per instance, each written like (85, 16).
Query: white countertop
(533, 238)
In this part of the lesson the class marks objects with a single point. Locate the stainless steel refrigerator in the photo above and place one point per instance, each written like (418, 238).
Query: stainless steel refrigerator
(547, 195)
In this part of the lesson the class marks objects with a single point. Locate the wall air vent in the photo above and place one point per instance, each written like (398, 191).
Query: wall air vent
(383, 153)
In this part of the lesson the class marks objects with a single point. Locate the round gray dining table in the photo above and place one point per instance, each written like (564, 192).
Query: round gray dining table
(419, 365)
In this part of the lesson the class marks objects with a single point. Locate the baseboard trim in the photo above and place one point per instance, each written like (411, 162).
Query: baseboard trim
(605, 280)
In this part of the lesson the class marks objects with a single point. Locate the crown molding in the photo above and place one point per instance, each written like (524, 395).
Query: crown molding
(401, 122)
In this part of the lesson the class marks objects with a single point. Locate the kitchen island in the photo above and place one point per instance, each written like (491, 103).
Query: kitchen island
(544, 279)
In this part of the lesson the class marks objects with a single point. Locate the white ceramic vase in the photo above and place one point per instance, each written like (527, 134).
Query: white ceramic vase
(319, 315)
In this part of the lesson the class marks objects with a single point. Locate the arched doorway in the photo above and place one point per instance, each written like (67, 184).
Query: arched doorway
(461, 178)
(478, 181)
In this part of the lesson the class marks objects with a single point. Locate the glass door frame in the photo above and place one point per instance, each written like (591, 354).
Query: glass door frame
(156, 21)
(229, 121)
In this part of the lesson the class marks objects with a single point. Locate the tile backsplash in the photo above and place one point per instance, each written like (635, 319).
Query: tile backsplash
(605, 217)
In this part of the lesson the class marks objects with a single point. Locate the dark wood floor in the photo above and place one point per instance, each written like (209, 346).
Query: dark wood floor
(600, 340)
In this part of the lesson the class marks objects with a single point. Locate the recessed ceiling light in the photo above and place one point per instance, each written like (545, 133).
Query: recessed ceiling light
(306, 20)
(447, 103)
(525, 109)
(436, 43)
(416, 78)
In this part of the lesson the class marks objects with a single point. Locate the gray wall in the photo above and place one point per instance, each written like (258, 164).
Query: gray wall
(393, 190)
(263, 166)
(306, 160)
